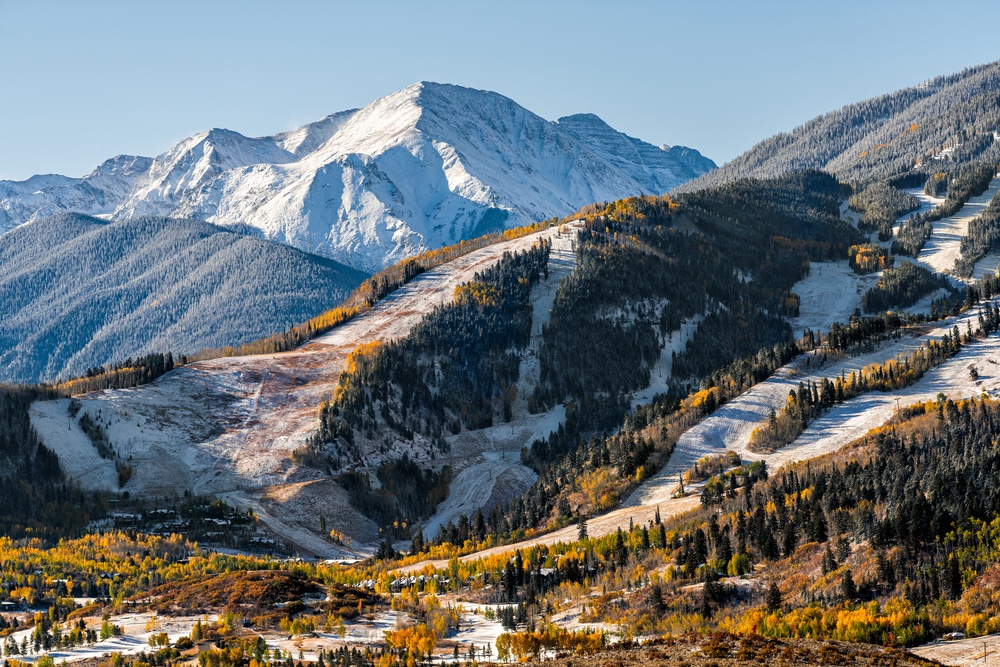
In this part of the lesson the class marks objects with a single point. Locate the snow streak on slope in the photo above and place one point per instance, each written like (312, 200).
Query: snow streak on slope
(944, 245)
(830, 293)
(229, 426)
(423, 167)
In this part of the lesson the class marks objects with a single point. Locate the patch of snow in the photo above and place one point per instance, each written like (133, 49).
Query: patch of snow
(830, 293)
(966, 652)
(659, 374)
(78, 459)
(134, 638)
(944, 246)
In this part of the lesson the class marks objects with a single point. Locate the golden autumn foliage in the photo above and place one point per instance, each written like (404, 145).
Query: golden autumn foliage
(416, 642)
(868, 258)
(480, 294)
(525, 645)
(897, 623)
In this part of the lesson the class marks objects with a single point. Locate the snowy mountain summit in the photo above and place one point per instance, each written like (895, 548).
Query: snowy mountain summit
(420, 168)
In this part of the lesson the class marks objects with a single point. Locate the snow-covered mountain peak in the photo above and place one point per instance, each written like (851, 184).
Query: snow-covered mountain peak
(120, 165)
(304, 140)
(421, 167)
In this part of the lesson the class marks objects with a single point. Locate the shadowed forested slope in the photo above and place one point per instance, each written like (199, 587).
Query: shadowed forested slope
(77, 292)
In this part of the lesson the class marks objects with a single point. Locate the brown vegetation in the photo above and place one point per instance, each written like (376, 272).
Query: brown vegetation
(230, 591)
(722, 650)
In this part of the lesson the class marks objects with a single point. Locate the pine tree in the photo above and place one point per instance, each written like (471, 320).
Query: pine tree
(773, 598)
(848, 587)
(656, 604)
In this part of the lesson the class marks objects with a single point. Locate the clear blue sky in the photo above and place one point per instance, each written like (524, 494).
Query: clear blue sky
(83, 81)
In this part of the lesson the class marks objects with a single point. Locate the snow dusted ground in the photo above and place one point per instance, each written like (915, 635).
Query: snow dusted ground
(229, 426)
(729, 427)
(134, 640)
(943, 247)
(961, 652)
(659, 375)
(830, 293)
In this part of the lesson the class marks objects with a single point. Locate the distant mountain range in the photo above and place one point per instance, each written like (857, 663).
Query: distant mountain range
(420, 168)
(954, 118)
(77, 292)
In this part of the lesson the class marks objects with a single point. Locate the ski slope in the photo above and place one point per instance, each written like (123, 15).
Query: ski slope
(831, 293)
(944, 246)
(228, 426)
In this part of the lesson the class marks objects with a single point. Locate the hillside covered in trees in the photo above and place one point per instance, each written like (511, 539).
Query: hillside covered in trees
(726, 257)
(946, 120)
(77, 293)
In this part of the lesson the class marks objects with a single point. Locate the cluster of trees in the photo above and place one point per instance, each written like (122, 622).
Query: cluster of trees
(880, 205)
(868, 258)
(936, 185)
(49, 633)
(407, 492)
(129, 373)
(861, 332)
(902, 286)
(912, 235)
(529, 644)
(728, 484)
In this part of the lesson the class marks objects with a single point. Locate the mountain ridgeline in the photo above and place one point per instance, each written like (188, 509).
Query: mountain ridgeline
(427, 166)
(949, 119)
(78, 293)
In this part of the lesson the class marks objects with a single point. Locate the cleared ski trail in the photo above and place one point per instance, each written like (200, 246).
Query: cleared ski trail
(497, 468)
(944, 245)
